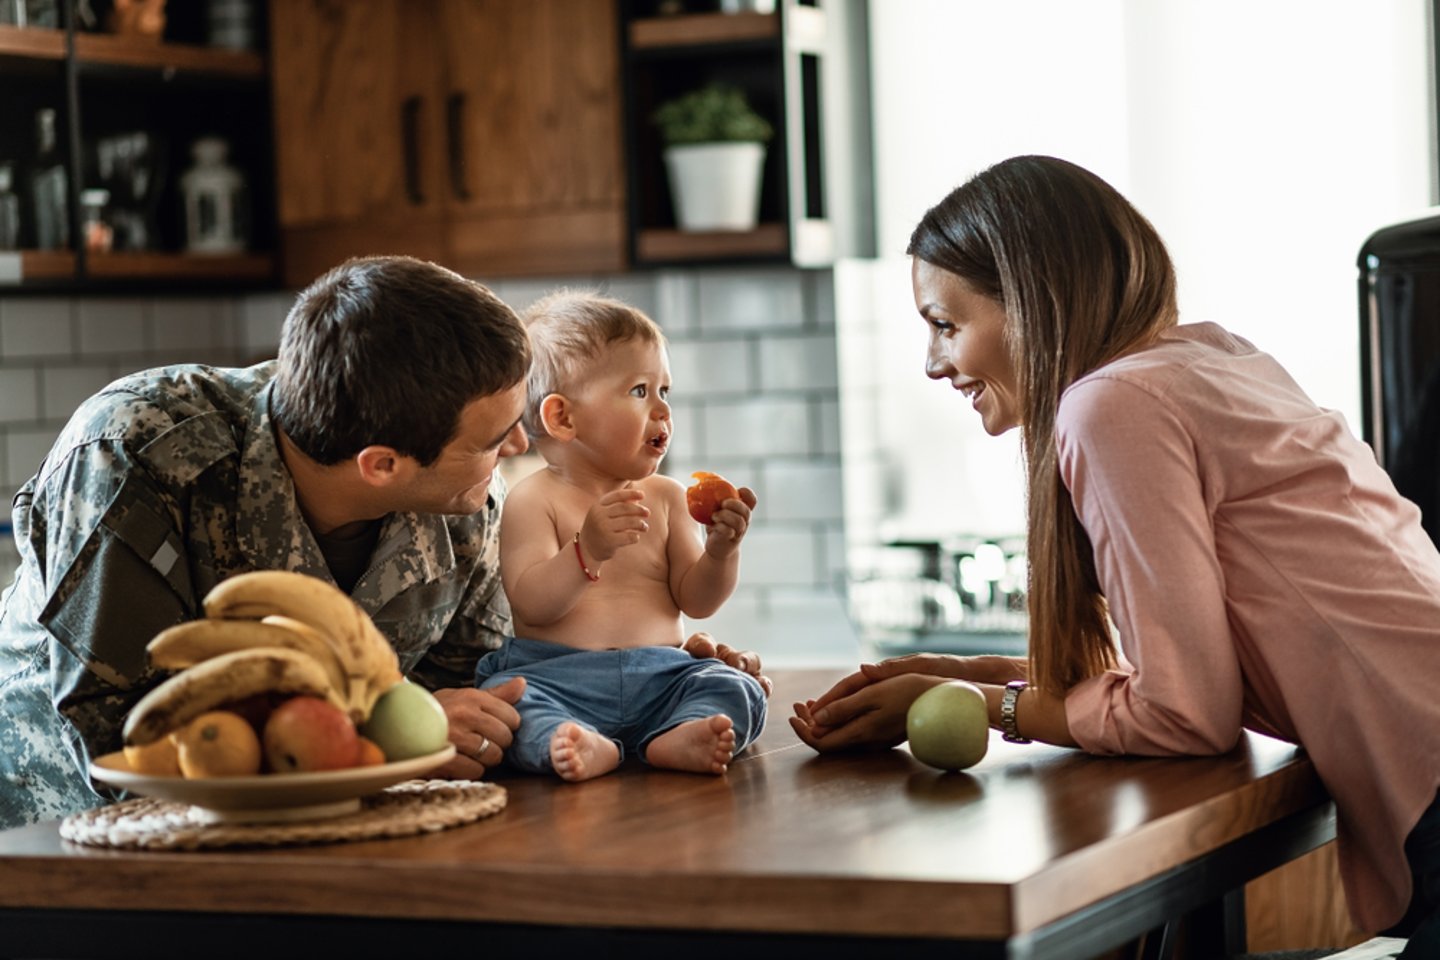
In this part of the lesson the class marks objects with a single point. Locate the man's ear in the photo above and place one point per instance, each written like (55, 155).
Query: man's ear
(556, 417)
(380, 466)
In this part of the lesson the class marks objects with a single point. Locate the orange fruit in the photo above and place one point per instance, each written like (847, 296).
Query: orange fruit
(370, 753)
(706, 494)
(218, 744)
(158, 759)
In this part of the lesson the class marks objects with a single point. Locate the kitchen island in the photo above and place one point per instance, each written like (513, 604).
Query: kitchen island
(1036, 852)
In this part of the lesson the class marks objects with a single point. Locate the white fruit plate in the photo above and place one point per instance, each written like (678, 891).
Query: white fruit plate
(269, 797)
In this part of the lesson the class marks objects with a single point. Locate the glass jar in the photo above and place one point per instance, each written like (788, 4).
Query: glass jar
(9, 210)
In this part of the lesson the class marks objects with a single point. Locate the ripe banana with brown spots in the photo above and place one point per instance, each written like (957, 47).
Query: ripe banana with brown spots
(183, 646)
(369, 661)
(221, 680)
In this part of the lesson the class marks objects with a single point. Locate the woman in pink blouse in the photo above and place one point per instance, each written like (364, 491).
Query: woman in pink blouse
(1189, 502)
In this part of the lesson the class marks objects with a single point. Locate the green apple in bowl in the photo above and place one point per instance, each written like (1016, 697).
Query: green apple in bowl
(407, 721)
(948, 726)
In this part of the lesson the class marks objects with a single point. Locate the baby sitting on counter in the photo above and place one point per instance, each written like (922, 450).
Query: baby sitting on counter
(600, 562)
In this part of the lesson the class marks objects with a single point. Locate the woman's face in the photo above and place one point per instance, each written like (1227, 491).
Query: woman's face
(967, 344)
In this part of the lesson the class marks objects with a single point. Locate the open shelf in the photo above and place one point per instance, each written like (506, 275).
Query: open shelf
(17, 266)
(109, 50)
(103, 49)
(703, 28)
(661, 245)
(37, 42)
(30, 266)
(150, 265)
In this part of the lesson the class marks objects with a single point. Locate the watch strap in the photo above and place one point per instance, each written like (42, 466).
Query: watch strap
(1009, 730)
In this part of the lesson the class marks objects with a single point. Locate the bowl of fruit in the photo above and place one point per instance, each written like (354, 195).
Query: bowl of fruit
(286, 703)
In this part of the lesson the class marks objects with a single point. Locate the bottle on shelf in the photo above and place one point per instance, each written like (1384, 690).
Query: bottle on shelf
(95, 227)
(48, 187)
(9, 210)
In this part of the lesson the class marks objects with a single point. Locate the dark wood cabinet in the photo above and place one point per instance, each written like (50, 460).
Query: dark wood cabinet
(173, 90)
(483, 134)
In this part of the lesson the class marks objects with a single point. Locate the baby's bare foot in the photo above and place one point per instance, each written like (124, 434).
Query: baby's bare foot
(580, 754)
(699, 746)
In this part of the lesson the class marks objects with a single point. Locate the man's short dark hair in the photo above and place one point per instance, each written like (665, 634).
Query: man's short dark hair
(389, 350)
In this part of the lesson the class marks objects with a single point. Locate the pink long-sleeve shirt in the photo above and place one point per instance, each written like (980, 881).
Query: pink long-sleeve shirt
(1261, 572)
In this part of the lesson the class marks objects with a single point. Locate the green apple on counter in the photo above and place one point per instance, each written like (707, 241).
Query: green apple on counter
(949, 726)
(407, 721)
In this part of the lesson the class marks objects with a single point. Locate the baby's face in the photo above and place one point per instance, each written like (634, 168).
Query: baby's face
(622, 411)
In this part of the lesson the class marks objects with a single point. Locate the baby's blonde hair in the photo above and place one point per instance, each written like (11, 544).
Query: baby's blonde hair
(568, 329)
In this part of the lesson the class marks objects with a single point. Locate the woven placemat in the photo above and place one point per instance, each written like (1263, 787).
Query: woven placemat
(416, 806)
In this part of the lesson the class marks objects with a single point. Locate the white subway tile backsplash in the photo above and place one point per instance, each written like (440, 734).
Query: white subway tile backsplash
(112, 326)
(36, 327)
(751, 300)
(676, 302)
(701, 368)
(638, 291)
(811, 626)
(188, 325)
(758, 427)
(261, 318)
(24, 449)
(822, 298)
(803, 490)
(798, 363)
(64, 388)
(827, 414)
(685, 420)
(19, 395)
(836, 556)
(779, 556)
(520, 294)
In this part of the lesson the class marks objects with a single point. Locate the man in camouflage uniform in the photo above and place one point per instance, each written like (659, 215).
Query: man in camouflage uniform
(365, 455)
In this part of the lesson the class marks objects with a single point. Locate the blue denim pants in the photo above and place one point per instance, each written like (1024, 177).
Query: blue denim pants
(630, 696)
(1422, 921)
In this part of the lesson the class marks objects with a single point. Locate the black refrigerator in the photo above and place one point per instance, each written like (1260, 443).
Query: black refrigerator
(1400, 358)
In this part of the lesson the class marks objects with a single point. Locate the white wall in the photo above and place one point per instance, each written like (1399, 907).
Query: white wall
(1266, 139)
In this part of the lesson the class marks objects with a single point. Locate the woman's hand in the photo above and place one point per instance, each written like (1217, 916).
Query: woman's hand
(985, 669)
(870, 714)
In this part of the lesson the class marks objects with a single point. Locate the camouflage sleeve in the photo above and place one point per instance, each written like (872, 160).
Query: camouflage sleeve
(115, 575)
(481, 622)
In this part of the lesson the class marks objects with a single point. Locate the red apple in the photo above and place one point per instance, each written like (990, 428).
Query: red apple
(307, 733)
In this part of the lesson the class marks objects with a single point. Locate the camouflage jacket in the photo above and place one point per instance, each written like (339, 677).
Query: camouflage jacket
(160, 486)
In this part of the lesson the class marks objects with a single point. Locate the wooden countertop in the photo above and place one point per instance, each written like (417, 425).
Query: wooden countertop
(872, 844)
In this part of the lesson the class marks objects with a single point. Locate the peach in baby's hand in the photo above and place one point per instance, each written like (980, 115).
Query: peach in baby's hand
(706, 495)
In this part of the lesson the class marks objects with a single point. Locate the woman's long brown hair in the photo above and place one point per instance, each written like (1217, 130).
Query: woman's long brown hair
(1083, 278)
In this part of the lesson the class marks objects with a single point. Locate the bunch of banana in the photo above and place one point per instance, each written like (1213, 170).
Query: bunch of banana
(266, 632)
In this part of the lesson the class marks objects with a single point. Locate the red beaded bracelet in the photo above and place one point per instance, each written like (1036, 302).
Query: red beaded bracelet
(592, 577)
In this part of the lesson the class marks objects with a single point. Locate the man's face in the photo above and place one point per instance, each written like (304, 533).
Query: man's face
(458, 481)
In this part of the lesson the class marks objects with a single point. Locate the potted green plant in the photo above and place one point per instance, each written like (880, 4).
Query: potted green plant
(714, 149)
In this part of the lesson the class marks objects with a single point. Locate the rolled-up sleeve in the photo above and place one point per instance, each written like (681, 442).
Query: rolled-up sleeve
(1130, 463)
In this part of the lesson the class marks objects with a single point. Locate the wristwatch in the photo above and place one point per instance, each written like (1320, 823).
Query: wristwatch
(1008, 729)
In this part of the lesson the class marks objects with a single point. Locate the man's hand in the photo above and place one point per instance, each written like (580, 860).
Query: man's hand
(702, 646)
(482, 727)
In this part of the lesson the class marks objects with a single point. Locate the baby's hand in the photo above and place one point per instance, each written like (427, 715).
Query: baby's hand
(728, 525)
(616, 520)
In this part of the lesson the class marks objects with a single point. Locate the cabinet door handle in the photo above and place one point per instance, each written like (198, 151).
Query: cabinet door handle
(455, 126)
(410, 137)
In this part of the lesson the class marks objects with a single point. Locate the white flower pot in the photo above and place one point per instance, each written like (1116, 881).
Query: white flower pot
(716, 186)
